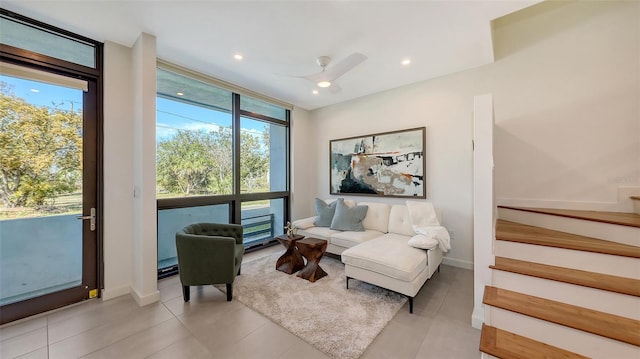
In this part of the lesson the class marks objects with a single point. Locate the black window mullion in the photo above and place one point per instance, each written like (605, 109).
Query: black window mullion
(235, 126)
(287, 204)
(255, 116)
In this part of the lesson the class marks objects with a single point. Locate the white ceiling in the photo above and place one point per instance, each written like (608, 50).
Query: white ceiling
(285, 38)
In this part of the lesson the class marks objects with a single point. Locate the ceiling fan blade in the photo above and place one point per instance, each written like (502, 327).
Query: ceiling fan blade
(336, 70)
(342, 67)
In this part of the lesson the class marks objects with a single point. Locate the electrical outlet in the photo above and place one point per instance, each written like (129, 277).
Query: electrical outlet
(451, 234)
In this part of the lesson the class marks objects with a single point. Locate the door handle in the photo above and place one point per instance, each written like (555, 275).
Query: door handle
(91, 218)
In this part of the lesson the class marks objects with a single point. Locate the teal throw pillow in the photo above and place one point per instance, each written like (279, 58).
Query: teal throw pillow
(349, 219)
(324, 212)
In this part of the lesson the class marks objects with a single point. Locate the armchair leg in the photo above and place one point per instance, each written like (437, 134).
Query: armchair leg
(229, 291)
(185, 293)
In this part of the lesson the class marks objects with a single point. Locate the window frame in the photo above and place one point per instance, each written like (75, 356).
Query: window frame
(94, 277)
(235, 199)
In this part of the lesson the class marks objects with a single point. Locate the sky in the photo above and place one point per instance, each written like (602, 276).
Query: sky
(42, 94)
(170, 115)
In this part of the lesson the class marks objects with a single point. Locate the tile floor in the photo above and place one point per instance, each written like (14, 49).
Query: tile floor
(210, 327)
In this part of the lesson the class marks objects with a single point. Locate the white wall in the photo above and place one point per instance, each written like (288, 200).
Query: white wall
(303, 164)
(118, 171)
(566, 98)
(445, 107)
(130, 246)
(145, 239)
(483, 202)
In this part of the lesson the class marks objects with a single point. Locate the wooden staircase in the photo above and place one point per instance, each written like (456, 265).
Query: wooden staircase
(565, 284)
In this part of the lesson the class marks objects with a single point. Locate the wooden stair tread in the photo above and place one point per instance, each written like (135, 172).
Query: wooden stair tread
(506, 345)
(588, 320)
(606, 282)
(619, 218)
(522, 233)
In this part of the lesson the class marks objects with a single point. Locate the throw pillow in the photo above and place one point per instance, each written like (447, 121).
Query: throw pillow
(349, 219)
(422, 214)
(324, 212)
(423, 242)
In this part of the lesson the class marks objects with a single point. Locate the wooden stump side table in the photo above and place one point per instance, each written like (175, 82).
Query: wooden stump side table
(291, 261)
(312, 249)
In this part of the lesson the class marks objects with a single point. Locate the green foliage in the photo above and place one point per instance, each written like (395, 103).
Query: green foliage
(200, 162)
(195, 162)
(40, 151)
(254, 160)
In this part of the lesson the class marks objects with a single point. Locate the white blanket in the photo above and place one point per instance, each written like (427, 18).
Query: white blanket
(425, 222)
(438, 233)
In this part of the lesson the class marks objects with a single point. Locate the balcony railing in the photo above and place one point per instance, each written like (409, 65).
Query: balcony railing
(258, 229)
(258, 225)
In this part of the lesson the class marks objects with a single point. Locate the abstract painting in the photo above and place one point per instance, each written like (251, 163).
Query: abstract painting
(387, 164)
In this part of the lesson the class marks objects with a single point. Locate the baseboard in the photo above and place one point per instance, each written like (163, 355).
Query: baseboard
(145, 300)
(477, 318)
(457, 263)
(108, 294)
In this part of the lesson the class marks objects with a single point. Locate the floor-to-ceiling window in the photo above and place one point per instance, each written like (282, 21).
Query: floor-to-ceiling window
(222, 156)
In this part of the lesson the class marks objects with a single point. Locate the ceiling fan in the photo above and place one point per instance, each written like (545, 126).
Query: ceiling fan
(329, 74)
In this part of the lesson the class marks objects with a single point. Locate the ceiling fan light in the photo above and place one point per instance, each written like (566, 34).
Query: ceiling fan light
(324, 84)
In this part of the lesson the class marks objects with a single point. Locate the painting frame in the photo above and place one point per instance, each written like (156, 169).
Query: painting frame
(386, 164)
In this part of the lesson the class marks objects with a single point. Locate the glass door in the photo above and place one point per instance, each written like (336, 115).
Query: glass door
(48, 191)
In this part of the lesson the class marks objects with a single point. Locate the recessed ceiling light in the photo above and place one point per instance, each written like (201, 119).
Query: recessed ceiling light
(35, 90)
(406, 62)
(324, 84)
(315, 92)
(179, 94)
(238, 57)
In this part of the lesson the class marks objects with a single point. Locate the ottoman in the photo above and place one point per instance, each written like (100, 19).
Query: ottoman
(388, 262)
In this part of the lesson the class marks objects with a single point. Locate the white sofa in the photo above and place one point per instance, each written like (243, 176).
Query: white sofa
(379, 255)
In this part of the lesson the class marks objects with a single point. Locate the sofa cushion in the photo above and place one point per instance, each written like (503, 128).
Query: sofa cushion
(318, 232)
(399, 221)
(349, 239)
(377, 217)
(325, 212)
(348, 219)
(388, 255)
(304, 223)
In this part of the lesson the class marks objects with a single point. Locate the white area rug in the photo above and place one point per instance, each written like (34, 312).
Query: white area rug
(340, 322)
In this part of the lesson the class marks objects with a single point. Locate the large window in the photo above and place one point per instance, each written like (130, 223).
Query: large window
(222, 156)
(194, 137)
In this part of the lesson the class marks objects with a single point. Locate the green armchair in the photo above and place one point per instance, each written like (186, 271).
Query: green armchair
(209, 253)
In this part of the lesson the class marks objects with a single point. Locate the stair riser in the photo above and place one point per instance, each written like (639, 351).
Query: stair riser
(596, 299)
(605, 231)
(588, 261)
(573, 340)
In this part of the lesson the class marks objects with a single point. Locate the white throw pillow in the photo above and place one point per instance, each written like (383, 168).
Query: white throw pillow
(423, 242)
(422, 214)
